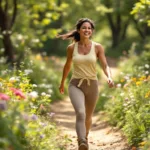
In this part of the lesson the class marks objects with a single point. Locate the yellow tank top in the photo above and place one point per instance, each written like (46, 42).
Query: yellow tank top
(84, 66)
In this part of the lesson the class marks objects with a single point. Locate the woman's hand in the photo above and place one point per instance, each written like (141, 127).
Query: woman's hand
(61, 88)
(110, 82)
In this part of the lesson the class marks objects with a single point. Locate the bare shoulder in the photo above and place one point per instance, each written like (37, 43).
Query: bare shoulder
(99, 48)
(70, 49)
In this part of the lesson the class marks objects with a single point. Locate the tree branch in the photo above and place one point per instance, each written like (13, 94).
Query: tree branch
(14, 13)
(125, 26)
(111, 23)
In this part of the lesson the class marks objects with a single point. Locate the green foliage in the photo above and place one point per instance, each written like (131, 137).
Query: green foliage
(141, 11)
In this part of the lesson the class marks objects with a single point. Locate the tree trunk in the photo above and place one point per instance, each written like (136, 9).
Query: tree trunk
(6, 23)
(8, 49)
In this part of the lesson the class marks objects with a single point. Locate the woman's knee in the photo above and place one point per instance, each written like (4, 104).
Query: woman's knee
(80, 114)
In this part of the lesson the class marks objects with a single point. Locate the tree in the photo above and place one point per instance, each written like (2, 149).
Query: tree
(25, 24)
(118, 19)
(6, 22)
(141, 11)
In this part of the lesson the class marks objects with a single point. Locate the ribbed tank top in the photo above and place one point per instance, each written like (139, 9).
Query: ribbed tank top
(84, 66)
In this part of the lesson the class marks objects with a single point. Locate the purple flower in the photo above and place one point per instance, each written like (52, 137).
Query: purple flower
(3, 105)
(34, 117)
(42, 136)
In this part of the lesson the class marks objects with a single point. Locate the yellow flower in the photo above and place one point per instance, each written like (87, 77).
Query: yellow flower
(1, 79)
(122, 80)
(9, 84)
(138, 83)
(134, 79)
(147, 94)
(142, 143)
(142, 78)
(38, 57)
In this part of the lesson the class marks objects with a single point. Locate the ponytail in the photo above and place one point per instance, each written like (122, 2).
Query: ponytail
(74, 35)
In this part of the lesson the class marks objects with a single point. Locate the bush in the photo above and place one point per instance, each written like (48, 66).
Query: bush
(22, 125)
(128, 105)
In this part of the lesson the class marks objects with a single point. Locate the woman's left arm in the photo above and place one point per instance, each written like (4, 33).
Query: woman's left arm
(101, 56)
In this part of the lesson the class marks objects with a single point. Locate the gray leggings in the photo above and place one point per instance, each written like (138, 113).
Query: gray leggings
(84, 100)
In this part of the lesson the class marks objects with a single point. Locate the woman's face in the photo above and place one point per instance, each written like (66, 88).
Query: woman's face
(85, 30)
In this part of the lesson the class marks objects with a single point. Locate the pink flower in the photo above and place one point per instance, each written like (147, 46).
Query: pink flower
(4, 97)
(18, 92)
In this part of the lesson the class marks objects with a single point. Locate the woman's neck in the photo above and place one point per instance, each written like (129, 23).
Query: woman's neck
(85, 42)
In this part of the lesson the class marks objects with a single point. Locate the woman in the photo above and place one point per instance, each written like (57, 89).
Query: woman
(83, 86)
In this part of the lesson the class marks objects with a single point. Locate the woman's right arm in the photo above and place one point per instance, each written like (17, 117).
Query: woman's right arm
(66, 68)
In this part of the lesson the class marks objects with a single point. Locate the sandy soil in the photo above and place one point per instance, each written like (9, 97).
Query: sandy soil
(102, 135)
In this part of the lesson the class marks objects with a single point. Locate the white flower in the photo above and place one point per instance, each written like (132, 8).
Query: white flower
(118, 85)
(146, 66)
(13, 79)
(103, 95)
(146, 72)
(48, 95)
(35, 40)
(34, 85)
(28, 71)
(2, 50)
(43, 94)
(20, 37)
(33, 94)
(121, 94)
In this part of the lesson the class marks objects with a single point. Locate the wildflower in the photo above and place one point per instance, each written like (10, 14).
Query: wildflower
(4, 97)
(18, 92)
(138, 83)
(12, 80)
(118, 85)
(146, 66)
(121, 94)
(122, 80)
(28, 71)
(34, 85)
(43, 94)
(147, 94)
(9, 84)
(3, 105)
(43, 124)
(142, 143)
(50, 91)
(134, 79)
(146, 72)
(34, 117)
(33, 94)
(42, 136)
(38, 57)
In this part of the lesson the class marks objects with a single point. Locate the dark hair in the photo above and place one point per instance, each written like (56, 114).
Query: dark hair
(74, 33)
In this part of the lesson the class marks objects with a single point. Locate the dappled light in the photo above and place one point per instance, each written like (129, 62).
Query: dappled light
(34, 113)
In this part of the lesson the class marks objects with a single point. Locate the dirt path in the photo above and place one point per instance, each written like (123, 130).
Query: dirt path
(102, 135)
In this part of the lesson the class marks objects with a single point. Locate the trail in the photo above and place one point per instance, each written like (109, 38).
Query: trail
(102, 136)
